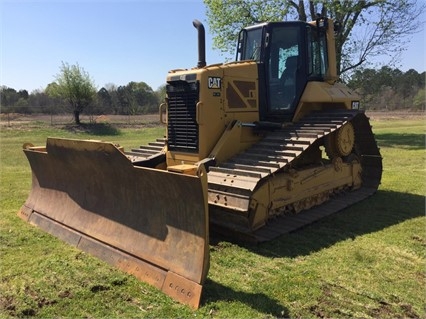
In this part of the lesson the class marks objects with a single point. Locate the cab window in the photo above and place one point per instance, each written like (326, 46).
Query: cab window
(317, 52)
(250, 45)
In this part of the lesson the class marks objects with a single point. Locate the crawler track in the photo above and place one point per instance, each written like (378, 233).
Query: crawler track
(147, 152)
(231, 184)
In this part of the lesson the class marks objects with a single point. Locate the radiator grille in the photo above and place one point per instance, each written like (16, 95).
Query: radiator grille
(182, 128)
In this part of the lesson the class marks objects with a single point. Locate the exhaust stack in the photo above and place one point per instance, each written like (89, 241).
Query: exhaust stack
(201, 43)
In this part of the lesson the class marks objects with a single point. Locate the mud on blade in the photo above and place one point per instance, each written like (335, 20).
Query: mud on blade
(89, 194)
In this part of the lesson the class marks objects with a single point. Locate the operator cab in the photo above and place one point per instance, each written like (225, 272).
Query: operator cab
(289, 54)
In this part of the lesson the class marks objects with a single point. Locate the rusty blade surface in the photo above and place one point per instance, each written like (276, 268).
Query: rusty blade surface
(150, 223)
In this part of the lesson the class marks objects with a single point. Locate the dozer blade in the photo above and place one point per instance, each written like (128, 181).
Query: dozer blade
(147, 222)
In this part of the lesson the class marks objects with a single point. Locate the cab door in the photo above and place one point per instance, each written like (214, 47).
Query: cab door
(285, 72)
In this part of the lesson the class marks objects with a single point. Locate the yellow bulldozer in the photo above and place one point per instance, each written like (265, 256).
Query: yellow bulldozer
(253, 149)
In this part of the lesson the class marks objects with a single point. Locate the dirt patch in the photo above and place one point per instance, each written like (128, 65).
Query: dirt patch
(8, 303)
(99, 288)
(338, 301)
(65, 294)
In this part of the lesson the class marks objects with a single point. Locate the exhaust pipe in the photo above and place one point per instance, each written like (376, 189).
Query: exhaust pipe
(201, 43)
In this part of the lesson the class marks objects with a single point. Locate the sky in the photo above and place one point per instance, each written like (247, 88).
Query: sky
(114, 41)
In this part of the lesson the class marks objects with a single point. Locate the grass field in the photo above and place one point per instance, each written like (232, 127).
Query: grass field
(367, 261)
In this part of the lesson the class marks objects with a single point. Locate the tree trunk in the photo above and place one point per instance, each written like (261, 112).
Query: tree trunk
(77, 117)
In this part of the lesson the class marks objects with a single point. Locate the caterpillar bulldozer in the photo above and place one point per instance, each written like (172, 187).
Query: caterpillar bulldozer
(254, 148)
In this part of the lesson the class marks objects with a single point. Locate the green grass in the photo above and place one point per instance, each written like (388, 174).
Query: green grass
(367, 261)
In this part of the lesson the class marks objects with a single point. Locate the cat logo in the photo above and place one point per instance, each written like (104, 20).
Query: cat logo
(214, 83)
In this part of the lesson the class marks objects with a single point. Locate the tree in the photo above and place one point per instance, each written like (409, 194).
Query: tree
(115, 103)
(388, 88)
(137, 97)
(23, 94)
(8, 96)
(105, 100)
(419, 100)
(74, 85)
(409, 84)
(369, 28)
(42, 103)
(161, 93)
(144, 97)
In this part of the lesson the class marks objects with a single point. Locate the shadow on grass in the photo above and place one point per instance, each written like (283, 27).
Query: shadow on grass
(402, 140)
(93, 129)
(382, 210)
(214, 292)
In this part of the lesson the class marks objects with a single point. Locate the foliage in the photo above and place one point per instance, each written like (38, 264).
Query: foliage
(138, 97)
(161, 93)
(227, 18)
(364, 262)
(419, 101)
(369, 28)
(383, 88)
(389, 88)
(130, 99)
(9, 97)
(74, 85)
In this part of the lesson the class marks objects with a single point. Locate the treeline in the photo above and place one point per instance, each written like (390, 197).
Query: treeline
(389, 89)
(131, 99)
(380, 89)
